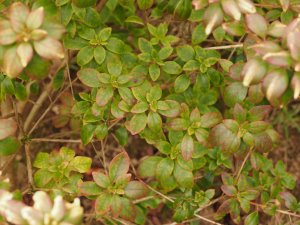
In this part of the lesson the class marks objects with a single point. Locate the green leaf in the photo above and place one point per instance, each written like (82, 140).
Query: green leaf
(140, 107)
(165, 52)
(58, 79)
(101, 179)
(187, 147)
(235, 93)
(224, 138)
(171, 67)
(252, 219)
(154, 71)
(104, 95)
(105, 33)
(198, 35)
(42, 160)
(114, 65)
(101, 131)
(147, 167)
(20, 91)
(164, 169)
(81, 164)
(87, 133)
(135, 190)
(89, 188)
(191, 65)
(145, 46)
(115, 45)
(185, 52)
(85, 55)
(134, 19)
(42, 177)
(184, 178)
(99, 54)
(229, 190)
(89, 77)
(144, 4)
(9, 146)
(8, 86)
(84, 3)
(182, 83)
(122, 135)
(154, 121)
(137, 123)
(119, 166)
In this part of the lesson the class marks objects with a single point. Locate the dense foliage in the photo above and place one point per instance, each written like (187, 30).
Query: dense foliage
(180, 90)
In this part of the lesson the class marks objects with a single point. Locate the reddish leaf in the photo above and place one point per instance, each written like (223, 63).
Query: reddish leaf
(136, 189)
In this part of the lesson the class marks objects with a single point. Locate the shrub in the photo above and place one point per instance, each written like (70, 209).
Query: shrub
(177, 95)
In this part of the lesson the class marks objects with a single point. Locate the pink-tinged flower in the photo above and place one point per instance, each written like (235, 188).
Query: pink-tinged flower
(246, 6)
(294, 44)
(213, 17)
(42, 212)
(19, 30)
(257, 24)
(295, 84)
(265, 47)
(282, 58)
(42, 202)
(11, 211)
(276, 29)
(253, 71)
(231, 8)
(275, 83)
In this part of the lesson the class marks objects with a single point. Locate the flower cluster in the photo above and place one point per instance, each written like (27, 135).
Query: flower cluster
(43, 211)
(23, 30)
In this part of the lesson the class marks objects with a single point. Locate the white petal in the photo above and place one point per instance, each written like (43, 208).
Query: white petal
(33, 216)
(35, 18)
(49, 48)
(7, 34)
(42, 202)
(18, 13)
(59, 209)
(25, 53)
(12, 65)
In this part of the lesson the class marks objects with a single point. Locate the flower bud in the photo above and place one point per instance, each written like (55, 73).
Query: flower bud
(231, 8)
(246, 6)
(282, 58)
(275, 84)
(276, 29)
(295, 83)
(234, 28)
(253, 71)
(257, 24)
(213, 17)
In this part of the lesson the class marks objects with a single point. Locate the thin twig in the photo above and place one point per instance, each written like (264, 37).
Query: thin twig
(207, 220)
(243, 164)
(29, 165)
(224, 47)
(48, 109)
(55, 140)
(277, 210)
(157, 192)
